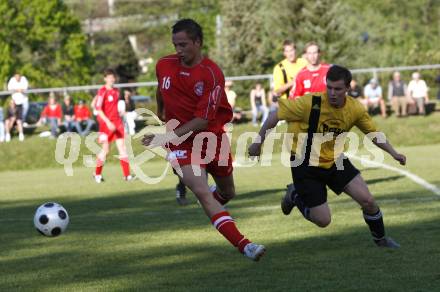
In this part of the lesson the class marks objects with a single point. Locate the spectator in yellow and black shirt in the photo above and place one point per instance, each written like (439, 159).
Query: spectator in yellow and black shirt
(284, 72)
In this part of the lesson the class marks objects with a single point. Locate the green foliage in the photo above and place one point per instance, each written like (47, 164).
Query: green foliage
(326, 23)
(42, 40)
(357, 34)
(113, 50)
(400, 32)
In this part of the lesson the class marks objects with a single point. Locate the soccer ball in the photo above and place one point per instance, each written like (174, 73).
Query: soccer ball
(51, 219)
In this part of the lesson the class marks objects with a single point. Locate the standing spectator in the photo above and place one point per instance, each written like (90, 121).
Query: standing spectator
(397, 94)
(437, 80)
(418, 92)
(373, 97)
(2, 126)
(232, 96)
(68, 113)
(272, 99)
(258, 104)
(355, 90)
(51, 115)
(130, 114)
(312, 77)
(18, 85)
(284, 72)
(83, 122)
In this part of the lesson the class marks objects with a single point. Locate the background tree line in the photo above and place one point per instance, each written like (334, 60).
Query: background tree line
(46, 40)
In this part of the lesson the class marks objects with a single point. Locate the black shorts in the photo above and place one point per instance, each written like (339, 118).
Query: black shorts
(310, 182)
(19, 112)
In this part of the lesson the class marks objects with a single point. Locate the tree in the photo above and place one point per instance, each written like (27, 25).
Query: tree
(326, 22)
(43, 40)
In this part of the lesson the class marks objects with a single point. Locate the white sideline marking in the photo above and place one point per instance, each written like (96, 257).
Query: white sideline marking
(406, 173)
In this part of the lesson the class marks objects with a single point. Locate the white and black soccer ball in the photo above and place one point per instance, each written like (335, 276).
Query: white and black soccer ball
(51, 219)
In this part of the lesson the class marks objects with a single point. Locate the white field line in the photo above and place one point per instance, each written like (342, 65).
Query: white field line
(418, 180)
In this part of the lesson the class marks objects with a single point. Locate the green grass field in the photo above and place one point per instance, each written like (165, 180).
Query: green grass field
(132, 236)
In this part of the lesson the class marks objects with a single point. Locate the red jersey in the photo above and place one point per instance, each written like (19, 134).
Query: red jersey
(107, 101)
(310, 81)
(82, 113)
(52, 112)
(193, 92)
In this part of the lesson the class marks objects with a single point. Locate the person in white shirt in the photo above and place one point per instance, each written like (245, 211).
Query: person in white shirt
(418, 92)
(373, 97)
(18, 85)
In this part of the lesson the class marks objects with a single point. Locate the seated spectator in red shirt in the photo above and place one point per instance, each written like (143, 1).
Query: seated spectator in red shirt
(51, 115)
(83, 122)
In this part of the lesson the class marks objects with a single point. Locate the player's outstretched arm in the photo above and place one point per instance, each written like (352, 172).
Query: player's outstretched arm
(387, 147)
(269, 124)
(177, 133)
(160, 108)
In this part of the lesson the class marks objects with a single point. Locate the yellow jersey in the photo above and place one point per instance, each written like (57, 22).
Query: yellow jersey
(291, 69)
(332, 122)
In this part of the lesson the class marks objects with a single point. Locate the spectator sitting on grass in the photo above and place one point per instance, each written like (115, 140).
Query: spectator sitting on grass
(374, 98)
(83, 122)
(68, 113)
(51, 115)
(11, 119)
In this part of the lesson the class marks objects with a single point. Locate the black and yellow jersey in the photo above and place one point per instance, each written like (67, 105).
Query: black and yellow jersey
(332, 122)
(286, 71)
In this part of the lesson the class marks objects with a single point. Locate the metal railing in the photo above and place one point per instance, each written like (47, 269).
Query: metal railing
(67, 89)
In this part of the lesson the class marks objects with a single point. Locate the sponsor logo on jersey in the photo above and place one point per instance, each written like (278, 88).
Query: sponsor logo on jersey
(110, 98)
(184, 73)
(198, 88)
(333, 126)
(307, 83)
(177, 154)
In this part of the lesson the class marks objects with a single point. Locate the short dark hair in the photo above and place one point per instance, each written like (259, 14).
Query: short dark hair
(191, 27)
(289, 43)
(109, 71)
(337, 72)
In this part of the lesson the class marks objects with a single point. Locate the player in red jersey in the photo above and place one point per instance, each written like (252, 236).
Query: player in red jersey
(311, 78)
(111, 126)
(191, 91)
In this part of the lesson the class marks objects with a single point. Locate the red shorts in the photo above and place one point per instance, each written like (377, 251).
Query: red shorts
(105, 135)
(214, 156)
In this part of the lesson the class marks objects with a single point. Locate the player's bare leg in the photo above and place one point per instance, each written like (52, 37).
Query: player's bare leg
(20, 130)
(320, 215)
(224, 190)
(220, 218)
(100, 160)
(358, 190)
(123, 159)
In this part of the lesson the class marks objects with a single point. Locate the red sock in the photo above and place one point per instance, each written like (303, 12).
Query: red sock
(125, 166)
(226, 226)
(219, 197)
(99, 166)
